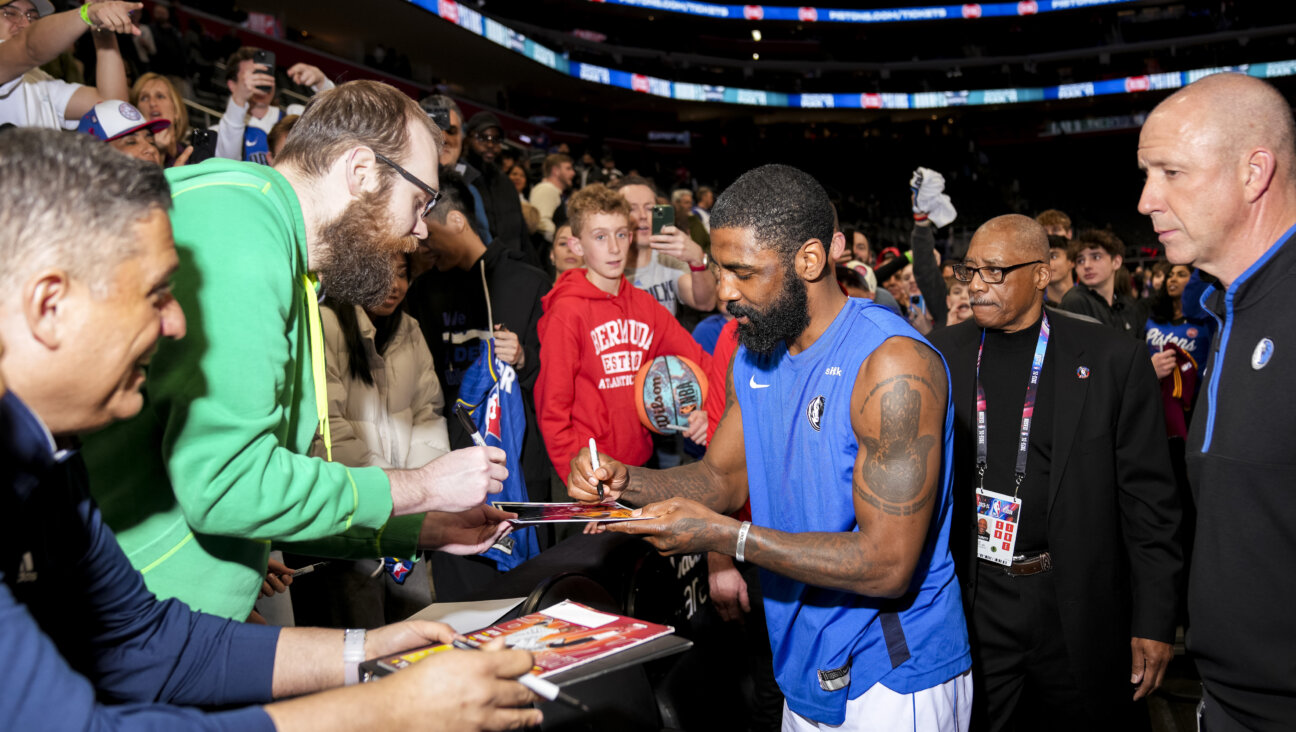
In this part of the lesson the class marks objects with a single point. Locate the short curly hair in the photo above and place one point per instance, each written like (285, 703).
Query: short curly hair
(783, 206)
(595, 198)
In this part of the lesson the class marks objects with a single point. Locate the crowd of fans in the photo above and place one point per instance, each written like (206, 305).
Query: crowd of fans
(367, 264)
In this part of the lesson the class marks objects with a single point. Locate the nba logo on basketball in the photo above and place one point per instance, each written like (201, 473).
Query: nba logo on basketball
(667, 390)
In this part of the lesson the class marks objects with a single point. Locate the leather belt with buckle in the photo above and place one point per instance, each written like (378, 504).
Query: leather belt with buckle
(1025, 564)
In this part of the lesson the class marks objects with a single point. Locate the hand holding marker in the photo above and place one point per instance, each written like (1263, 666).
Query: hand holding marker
(470, 426)
(546, 689)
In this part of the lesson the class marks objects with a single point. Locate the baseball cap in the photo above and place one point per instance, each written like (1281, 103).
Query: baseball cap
(44, 7)
(114, 118)
(865, 273)
(482, 121)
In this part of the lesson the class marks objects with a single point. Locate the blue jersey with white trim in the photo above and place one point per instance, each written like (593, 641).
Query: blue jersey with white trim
(801, 451)
(493, 397)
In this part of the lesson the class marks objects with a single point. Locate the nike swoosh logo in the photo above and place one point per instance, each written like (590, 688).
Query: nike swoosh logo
(752, 383)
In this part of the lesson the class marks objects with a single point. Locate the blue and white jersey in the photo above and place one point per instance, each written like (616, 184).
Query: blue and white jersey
(1193, 336)
(491, 394)
(832, 645)
(256, 146)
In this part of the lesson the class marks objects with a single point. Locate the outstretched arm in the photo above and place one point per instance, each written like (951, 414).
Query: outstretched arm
(717, 481)
(44, 40)
(898, 412)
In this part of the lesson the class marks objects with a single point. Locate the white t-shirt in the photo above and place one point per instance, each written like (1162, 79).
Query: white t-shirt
(37, 99)
(660, 279)
(229, 131)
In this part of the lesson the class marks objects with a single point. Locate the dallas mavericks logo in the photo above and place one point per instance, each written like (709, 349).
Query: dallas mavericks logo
(814, 412)
(1262, 353)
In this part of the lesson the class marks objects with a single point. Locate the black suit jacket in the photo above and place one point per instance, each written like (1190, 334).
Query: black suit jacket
(1113, 508)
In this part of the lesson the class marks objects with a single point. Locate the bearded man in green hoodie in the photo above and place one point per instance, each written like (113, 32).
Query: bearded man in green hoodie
(215, 468)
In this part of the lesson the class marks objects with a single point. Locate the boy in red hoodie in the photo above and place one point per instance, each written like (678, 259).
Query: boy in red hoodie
(596, 331)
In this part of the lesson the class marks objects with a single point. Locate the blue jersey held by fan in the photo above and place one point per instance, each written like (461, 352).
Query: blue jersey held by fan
(493, 398)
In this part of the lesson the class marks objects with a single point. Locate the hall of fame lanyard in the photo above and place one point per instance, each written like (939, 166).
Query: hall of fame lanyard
(1028, 410)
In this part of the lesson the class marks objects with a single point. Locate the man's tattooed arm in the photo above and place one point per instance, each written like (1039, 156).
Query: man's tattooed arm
(898, 416)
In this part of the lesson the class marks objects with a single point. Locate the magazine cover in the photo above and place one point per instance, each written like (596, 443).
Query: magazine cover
(557, 513)
(561, 637)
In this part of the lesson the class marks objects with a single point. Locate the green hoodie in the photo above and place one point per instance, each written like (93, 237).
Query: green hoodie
(216, 466)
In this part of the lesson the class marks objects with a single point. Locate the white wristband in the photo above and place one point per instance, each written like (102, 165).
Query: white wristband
(742, 540)
(353, 652)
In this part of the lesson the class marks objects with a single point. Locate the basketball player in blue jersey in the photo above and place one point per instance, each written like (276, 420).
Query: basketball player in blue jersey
(837, 426)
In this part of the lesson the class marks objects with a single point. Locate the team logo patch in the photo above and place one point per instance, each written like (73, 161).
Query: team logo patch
(1192, 332)
(1262, 353)
(130, 113)
(814, 412)
(1082, 372)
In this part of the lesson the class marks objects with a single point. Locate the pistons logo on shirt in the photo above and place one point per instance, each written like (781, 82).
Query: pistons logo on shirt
(814, 412)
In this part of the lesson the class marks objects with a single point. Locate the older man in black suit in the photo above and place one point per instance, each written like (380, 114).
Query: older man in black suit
(1071, 600)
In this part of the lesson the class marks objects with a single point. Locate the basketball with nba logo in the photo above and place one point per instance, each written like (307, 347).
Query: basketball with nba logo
(667, 390)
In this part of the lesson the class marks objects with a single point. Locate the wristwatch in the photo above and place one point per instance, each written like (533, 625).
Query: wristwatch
(701, 267)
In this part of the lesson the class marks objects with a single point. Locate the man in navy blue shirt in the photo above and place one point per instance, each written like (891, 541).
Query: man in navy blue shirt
(84, 298)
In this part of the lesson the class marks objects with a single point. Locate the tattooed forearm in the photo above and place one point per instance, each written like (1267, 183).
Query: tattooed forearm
(693, 481)
(849, 561)
(893, 473)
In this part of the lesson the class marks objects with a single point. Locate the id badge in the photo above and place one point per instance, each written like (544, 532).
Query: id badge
(996, 525)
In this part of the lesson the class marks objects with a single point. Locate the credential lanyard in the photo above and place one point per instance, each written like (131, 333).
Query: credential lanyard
(317, 362)
(1028, 409)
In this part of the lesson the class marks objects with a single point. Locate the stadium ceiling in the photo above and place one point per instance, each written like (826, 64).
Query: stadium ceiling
(813, 14)
(502, 35)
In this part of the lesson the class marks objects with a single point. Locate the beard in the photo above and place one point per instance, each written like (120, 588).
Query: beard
(358, 265)
(785, 319)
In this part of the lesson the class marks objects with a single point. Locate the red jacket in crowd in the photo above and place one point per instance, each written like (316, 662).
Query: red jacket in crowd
(591, 346)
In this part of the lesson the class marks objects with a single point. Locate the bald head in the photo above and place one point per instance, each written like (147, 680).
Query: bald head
(1234, 114)
(1220, 158)
(1022, 235)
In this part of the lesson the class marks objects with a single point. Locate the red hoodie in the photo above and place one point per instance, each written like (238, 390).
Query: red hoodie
(591, 346)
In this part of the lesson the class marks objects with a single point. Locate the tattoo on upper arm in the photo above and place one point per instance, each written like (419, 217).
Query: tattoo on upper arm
(935, 368)
(894, 469)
